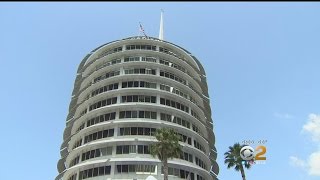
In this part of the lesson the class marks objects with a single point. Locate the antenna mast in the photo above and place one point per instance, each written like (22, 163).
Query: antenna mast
(161, 26)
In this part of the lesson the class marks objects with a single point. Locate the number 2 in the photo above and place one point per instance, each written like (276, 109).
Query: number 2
(263, 151)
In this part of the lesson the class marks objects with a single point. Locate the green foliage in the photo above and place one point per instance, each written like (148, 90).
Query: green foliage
(167, 146)
(233, 159)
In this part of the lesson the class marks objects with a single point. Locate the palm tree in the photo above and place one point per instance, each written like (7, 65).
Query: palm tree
(166, 148)
(232, 158)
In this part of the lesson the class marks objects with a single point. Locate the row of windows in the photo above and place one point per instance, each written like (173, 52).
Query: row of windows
(137, 131)
(75, 161)
(129, 84)
(101, 118)
(180, 121)
(129, 149)
(178, 92)
(112, 62)
(128, 59)
(184, 138)
(173, 76)
(96, 153)
(196, 129)
(194, 114)
(133, 149)
(140, 71)
(99, 135)
(147, 47)
(173, 90)
(146, 71)
(144, 47)
(171, 64)
(175, 119)
(103, 103)
(77, 144)
(138, 98)
(138, 114)
(106, 76)
(149, 59)
(145, 84)
(133, 168)
(186, 156)
(199, 146)
(200, 163)
(174, 104)
(81, 127)
(168, 51)
(93, 172)
(184, 174)
(110, 51)
(136, 168)
(127, 131)
(137, 58)
(104, 89)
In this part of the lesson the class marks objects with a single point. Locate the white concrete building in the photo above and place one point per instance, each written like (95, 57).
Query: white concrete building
(123, 92)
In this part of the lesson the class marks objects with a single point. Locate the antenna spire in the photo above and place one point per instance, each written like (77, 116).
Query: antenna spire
(161, 26)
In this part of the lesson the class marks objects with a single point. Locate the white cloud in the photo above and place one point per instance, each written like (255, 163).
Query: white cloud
(313, 127)
(295, 161)
(283, 115)
(314, 164)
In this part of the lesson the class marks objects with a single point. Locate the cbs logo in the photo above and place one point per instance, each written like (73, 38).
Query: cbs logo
(248, 153)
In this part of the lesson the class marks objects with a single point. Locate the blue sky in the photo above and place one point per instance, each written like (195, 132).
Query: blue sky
(262, 62)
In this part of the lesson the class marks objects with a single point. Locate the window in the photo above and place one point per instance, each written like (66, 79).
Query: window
(101, 118)
(169, 63)
(138, 168)
(172, 76)
(131, 84)
(73, 177)
(200, 163)
(174, 104)
(186, 156)
(137, 131)
(74, 161)
(138, 98)
(184, 174)
(199, 146)
(194, 114)
(93, 172)
(94, 136)
(140, 71)
(107, 75)
(104, 89)
(77, 143)
(142, 47)
(102, 103)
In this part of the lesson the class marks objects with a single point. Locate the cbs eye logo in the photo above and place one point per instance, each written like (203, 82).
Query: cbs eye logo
(248, 153)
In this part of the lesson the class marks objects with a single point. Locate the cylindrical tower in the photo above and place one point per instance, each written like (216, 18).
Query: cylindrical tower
(126, 89)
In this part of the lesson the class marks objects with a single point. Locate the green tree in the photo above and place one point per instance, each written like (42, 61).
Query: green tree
(166, 148)
(233, 159)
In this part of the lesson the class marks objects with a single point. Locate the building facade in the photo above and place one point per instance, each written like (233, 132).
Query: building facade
(125, 90)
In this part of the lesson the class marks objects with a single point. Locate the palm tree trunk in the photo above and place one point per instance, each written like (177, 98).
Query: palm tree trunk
(165, 169)
(242, 173)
